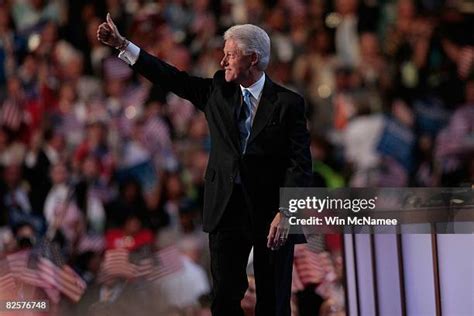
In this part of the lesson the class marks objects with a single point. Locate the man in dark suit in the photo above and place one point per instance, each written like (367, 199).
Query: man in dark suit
(259, 144)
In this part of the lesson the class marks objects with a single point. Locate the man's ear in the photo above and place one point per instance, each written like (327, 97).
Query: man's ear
(254, 59)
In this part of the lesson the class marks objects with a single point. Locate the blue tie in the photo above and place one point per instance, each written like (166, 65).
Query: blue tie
(245, 120)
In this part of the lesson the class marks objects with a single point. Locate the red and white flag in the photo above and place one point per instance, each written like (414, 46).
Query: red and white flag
(17, 262)
(145, 267)
(169, 262)
(7, 280)
(32, 277)
(64, 279)
(116, 264)
(7, 283)
(310, 267)
(11, 114)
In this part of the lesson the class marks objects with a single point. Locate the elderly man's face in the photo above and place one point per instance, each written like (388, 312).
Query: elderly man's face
(236, 65)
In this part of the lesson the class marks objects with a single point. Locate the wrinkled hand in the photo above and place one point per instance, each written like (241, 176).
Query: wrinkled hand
(108, 34)
(278, 234)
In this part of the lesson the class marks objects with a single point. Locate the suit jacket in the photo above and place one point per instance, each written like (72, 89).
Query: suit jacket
(277, 153)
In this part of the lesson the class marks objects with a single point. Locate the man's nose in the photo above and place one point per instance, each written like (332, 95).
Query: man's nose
(223, 61)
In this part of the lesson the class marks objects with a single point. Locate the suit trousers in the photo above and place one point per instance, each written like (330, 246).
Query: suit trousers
(230, 245)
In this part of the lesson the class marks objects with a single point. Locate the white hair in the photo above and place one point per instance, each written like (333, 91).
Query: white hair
(251, 39)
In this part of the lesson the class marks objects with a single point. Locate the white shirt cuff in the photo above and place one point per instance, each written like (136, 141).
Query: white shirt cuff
(130, 54)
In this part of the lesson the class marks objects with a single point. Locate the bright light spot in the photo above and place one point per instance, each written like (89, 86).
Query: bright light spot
(324, 91)
(34, 41)
(333, 19)
(130, 112)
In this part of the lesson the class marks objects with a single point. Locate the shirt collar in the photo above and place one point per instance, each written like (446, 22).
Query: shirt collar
(255, 89)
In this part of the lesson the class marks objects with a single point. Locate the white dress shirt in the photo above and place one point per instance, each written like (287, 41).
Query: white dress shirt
(130, 54)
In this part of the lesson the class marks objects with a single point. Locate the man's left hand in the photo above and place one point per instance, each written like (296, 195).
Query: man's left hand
(278, 234)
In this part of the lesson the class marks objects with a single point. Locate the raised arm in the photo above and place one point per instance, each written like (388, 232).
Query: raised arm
(196, 90)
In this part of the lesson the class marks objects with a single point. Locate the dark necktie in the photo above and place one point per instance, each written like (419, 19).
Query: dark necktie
(244, 120)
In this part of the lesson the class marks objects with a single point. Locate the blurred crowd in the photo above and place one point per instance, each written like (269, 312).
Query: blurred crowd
(107, 170)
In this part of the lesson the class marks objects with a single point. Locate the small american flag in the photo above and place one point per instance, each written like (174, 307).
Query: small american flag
(32, 277)
(18, 270)
(169, 262)
(116, 264)
(11, 114)
(309, 266)
(145, 267)
(7, 281)
(64, 279)
(296, 284)
(18, 262)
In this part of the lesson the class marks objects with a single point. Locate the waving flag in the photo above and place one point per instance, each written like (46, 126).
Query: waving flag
(7, 280)
(62, 278)
(11, 115)
(169, 262)
(116, 264)
(17, 262)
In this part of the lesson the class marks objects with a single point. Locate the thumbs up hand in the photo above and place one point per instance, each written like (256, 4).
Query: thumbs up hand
(108, 34)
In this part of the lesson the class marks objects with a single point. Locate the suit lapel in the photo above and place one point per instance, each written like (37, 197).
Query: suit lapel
(230, 118)
(264, 110)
